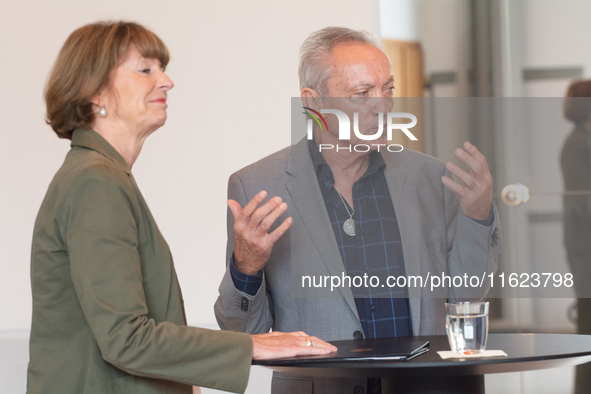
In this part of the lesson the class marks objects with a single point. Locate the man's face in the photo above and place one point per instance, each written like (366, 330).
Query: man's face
(361, 81)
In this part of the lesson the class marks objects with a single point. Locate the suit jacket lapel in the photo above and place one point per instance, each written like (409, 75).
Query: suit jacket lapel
(309, 203)
(404, 199)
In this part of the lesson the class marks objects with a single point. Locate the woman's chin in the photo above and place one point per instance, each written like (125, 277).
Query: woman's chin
(159, 122)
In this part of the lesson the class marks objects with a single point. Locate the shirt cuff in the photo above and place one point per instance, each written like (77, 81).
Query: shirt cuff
(489, 221)
(248, 284)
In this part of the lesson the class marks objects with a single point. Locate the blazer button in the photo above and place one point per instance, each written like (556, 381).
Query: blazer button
(358, 390)
(357, 335)
(244, 304)
(372, 308)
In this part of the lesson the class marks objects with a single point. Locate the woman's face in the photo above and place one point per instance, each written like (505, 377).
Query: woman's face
(137, 94)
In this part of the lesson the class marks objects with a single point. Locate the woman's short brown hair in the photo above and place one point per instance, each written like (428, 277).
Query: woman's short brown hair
(577, 108)
(84, 65)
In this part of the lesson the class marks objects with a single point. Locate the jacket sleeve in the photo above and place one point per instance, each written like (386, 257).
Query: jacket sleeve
(100, 231)
(234, 309)
(474, 249)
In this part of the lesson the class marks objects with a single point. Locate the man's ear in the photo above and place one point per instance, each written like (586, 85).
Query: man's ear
(311, 98)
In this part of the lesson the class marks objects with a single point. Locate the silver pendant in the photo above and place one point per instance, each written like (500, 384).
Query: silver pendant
(349, 227)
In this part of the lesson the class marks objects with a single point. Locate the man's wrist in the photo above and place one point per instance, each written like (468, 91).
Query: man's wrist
(489, 220)
(244, 267)
(249, 284)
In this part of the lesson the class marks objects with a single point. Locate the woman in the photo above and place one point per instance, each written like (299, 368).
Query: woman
(108, 313)
(575, 161)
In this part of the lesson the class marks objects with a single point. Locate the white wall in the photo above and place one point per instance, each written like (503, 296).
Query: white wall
(398, 19)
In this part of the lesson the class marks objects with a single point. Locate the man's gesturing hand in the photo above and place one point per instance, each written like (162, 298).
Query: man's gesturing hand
(476, 195)
(279, 345)
(252, 241)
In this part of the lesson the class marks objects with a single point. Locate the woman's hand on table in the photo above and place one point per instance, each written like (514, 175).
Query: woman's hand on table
(280, 345)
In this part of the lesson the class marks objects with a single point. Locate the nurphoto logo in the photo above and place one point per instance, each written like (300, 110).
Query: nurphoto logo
(345, 129)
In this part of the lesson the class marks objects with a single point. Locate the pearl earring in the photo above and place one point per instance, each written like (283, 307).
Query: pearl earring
(103, 112)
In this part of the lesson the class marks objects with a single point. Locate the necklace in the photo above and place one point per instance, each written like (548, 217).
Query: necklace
(349, 225)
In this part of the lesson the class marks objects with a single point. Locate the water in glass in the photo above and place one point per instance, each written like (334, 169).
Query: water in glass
(467, 333)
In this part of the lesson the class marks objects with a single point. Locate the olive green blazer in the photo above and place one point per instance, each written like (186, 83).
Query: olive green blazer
(108, 313)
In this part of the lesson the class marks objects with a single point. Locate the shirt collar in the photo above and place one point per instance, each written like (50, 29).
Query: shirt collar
(376, 161)
(90, 139)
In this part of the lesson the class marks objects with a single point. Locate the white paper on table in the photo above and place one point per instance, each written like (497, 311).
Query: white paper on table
(486, 353)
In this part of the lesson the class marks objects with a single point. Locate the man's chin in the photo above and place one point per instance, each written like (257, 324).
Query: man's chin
(375, 143)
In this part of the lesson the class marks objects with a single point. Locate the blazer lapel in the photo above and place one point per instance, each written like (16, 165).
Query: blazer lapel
(404, 199)
(309, 203)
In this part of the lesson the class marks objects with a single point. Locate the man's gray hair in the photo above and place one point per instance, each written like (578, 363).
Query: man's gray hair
(315, 68)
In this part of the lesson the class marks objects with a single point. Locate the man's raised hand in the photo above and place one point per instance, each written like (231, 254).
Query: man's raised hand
(252, 241)
(476, 195)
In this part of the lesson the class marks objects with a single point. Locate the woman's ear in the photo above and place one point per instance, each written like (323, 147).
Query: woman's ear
(98, 100)
(99, 105)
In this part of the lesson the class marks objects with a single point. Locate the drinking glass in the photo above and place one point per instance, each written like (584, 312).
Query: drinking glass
(467, 326)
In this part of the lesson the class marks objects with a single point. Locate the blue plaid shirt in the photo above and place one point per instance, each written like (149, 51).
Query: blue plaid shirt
(375, 250)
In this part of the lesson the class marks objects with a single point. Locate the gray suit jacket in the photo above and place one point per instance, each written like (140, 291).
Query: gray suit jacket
(435, 236)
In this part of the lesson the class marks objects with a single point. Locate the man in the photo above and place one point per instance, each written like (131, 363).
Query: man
(407, 217)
